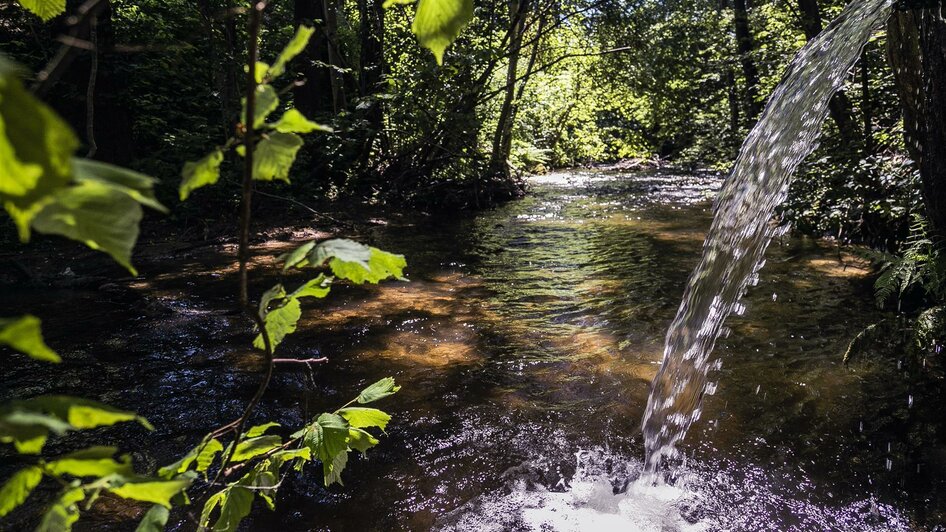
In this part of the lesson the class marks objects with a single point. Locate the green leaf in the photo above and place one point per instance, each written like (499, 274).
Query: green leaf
(154, 520)
(153, 491)
(275, 293)
(91, 462)
(81, 413)
(361, 440)
(280, 322)
(259, 430)
(24, 335)
(36, 148)
(294, 48)
(274, 155)
(297, 257)
(293, 121)
(266, 102)
(359, 417)
(357, 262)
(18, 488)
(327, 438)
(437, 23)
(379, 390)
(259, 72)
(254, 447)
(233, 508)
(97, 215)
(207, 454)
(200, 173)
(63, 513)
(44, 9)
(137, 186)
(318, 288)
(212, 502)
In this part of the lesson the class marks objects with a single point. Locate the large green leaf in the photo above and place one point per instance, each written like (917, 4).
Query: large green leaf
(379, 390)
(318, 288)
(18, 488)
(327, 438)
(297, 258)
(44, 9)
(360, 417)
(382, 265)
(24, 335)
(97, 215)
(63, 513)
(350, 260)
(82, 413)
(292, 49)
(28, 429)
(154, 520)
(200, 173)
(153, 491)
(293, 121)
(91, 462)
(274, 156)
(253, 447)
(137, 186)
(235, 504)
(266, 101)
(361, 440)
(280, 322)
(438, 22)
(36, 148)
(259, 430)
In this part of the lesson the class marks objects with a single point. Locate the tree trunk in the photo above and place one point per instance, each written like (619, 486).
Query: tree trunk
(330, 27)
(372, 67)
(745, 47)
(917, 52)
(110, 119)
(839, 107)
(314, 98)
(498, 157)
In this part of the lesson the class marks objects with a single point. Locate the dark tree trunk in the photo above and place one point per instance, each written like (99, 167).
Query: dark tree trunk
(315, 97)
(917, 51)
(840, 106)
(499, 156)
(372, 71)
(745, 47)
(112, 123)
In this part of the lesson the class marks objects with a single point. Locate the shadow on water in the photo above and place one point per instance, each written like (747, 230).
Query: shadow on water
(525, 343)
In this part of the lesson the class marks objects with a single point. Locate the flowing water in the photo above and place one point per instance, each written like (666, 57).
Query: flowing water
(526, 343)
(735, 246)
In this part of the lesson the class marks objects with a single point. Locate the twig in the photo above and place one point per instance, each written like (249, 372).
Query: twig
(90, 89)
(300, 360)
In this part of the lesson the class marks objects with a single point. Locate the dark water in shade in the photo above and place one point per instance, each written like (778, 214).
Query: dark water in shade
(525, 342)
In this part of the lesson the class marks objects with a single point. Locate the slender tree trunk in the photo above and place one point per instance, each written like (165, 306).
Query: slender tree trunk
(745, 46)
(112, 122)
(866, 108)
(517, 11)
(315, 97)
(917, 52)
(208, 15)
(372, 67)
(330, 27)
(839, 107)
(732, 95)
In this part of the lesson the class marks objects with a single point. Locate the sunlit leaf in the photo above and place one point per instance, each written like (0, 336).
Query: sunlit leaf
(212, 502)
(153, 491)
(97, 215)
(154, 520)
(44, 9)
(318, 288)
(259, 430)
(27, 429)
(293, 121)
(18, 488)
(274, 156)
(360, 417)
(24, 335)
(280, 322)
(253, 447)
(200, 173)
(207, 454)
(354, 261)
(438, 22)
(361, 440)
(91, 462)
(36, 148)
(137, 186)
(234, 506)
(297, 257)
(328, 438)
(292, 49)
(379, 390)
(63, 513)
(266, 102)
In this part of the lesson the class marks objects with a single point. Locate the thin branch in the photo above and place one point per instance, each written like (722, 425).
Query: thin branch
(319, 360)
(47, 77)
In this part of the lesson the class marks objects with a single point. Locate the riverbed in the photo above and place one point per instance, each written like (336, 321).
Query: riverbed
(525, 342)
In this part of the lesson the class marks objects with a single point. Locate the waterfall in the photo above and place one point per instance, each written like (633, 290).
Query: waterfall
(742, 227)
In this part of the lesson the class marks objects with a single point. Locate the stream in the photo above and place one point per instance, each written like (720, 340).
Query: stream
(525, 343)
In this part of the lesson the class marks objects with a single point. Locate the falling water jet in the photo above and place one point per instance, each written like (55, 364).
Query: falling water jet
(741, 231)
